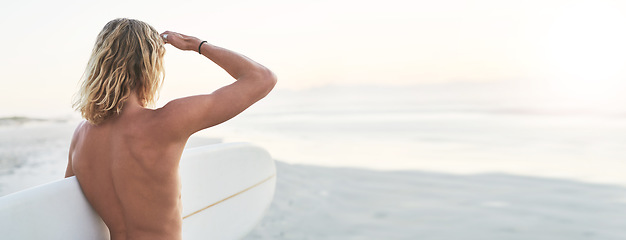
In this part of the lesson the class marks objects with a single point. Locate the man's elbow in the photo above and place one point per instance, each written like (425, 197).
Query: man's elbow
(263, 81)
(271, 77)
(268, 79)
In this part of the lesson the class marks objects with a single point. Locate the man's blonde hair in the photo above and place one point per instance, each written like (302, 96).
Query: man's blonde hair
(127, 57)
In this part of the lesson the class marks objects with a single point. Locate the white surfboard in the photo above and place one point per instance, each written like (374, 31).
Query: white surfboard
(226, 188)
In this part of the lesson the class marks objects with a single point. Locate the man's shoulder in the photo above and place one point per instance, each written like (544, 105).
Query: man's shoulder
(77, 132)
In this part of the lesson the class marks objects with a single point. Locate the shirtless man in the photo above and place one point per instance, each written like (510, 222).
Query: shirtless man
(126, 156)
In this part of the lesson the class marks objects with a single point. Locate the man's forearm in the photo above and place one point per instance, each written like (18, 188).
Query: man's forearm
(237, 65)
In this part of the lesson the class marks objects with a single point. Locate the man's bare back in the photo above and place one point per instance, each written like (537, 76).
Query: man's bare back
(129, 174)
(127, 165)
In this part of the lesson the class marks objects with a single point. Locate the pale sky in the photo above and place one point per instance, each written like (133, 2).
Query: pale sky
(574, 46)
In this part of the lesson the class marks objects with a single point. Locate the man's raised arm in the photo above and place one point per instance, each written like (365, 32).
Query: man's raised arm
(191, 114)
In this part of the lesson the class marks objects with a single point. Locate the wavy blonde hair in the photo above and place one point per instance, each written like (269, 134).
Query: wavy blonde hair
(127, 57)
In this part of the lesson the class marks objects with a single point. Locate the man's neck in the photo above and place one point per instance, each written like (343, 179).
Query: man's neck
(132, 104)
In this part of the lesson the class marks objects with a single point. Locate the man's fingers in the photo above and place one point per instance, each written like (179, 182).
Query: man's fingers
(178, 40)
(166, 35)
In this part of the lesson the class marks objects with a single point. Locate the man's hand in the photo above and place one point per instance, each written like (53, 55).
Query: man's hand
(181, 41)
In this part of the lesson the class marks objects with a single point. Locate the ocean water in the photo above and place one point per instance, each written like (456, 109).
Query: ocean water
(449, 128)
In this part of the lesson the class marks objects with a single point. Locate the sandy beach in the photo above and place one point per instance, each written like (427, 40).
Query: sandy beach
(315, 202)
